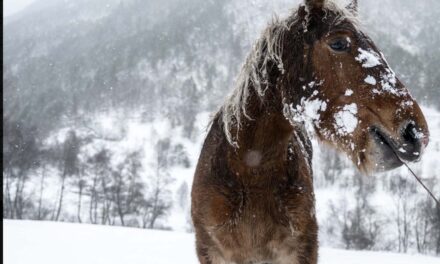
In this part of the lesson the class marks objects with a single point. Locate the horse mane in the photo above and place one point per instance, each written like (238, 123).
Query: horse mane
(254, 74)
(267, 51)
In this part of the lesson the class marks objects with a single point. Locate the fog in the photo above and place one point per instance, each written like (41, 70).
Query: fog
(11, 7)
(107, 94)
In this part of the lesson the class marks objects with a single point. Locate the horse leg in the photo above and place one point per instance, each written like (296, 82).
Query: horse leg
(206, 251)
(310, 257)
(206, 256)
(203, 255)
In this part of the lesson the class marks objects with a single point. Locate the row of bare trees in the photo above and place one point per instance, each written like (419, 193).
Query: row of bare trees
(20, 151)
(410, 223)
(417, 217)
(106, 193)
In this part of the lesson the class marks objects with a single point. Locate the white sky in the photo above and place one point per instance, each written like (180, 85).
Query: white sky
(11, 7)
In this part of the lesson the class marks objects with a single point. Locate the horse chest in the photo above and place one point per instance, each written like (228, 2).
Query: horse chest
(260, 225)
(253, 207)
(267, 206)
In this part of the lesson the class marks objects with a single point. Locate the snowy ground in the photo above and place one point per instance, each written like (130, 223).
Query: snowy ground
(53, 243)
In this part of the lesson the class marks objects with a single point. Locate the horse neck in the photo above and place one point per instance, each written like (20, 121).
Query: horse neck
(264, 138)
(269, 131)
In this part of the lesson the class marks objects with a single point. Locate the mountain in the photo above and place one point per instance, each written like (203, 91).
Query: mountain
(68, 58)
(76, 57)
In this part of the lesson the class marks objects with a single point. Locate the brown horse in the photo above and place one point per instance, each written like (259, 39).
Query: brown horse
(252, 198)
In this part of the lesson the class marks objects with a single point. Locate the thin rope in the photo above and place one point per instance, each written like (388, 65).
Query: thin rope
(417, 178)
(421, 183)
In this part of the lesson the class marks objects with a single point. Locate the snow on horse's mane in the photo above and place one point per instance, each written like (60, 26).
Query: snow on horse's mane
(254, 72)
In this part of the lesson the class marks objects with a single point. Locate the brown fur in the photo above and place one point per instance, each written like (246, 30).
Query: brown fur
(255, 203)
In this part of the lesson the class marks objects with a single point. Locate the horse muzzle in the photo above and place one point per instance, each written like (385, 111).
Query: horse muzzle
(391, 152)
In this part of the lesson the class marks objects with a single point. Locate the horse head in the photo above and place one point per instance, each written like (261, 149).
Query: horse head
(349, 92)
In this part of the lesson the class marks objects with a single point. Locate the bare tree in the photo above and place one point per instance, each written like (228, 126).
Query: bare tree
(403, 192)
(182, 195)
(81, 184)
(99, 169)
(361, 227)
(158, 197)
(436, 227)
(40, 198)
(69, 165)
(127, 188)
(20, 156)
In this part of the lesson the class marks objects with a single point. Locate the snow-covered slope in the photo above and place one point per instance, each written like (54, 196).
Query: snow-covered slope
(54, 243)
(124, 134)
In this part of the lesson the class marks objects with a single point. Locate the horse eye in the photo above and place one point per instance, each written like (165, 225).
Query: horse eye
(340, 45)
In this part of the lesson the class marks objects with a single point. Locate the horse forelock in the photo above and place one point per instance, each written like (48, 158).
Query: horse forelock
(254, 73)
(343, 12)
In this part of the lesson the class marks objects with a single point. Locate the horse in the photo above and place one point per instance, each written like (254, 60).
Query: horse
(316, 72)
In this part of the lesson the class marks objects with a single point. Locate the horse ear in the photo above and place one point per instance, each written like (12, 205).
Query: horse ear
(315, 4)
(353, 7)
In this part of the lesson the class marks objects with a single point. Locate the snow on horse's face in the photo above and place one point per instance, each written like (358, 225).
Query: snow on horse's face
(356, 102)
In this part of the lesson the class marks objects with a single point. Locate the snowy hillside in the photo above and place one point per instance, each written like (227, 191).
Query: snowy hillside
(336, 180)
(54, 243)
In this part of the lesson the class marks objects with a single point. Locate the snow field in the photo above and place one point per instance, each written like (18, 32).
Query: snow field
(53, 243)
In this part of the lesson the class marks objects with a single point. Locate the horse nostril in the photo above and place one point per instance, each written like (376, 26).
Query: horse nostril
(410, 134)
(414, 141)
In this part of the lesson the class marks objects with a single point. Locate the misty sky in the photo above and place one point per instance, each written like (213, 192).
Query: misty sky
(11, 7)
